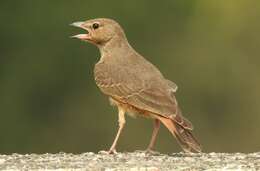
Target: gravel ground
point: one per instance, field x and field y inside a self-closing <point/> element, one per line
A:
<point x="136" y="161"/>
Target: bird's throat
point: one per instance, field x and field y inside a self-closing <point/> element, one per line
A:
<point x="115" y="46"/>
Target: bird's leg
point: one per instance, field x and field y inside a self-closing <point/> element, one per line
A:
<point x="154" y="135"/>
<point x="121" y="121"/>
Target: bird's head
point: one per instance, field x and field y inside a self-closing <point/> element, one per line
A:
<point x="99" y="31"/>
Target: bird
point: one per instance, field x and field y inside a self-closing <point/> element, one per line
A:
<point x="135" y="85"/>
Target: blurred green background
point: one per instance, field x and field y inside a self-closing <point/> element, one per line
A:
<point x="49" y="101"/>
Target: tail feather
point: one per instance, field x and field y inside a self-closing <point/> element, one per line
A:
<point x="184" y="136"/>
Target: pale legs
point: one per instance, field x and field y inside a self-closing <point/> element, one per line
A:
<point x="121" y="122"/>
<point x="154" y="135"/>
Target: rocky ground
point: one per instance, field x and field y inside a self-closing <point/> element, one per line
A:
<point x="136" y="161"/>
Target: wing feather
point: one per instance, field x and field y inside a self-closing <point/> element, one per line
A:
<point x="154" y="94"/>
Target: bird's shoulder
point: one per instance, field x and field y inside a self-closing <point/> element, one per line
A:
<point x="130" y="64"/>
<point x="132" y="70"/>
<point x="110" y="76"/>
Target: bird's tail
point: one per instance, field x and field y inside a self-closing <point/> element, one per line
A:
<point x="184" y="135"/>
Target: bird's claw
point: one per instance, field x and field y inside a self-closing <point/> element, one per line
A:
<point x="111" y="151"/>
<point x="151" y="152"/>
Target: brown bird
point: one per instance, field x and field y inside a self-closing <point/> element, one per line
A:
<point x="135" y="85"/>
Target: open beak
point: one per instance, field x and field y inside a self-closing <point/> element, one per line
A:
<point x="77" y="24"/>
<point x="81" y="36"/>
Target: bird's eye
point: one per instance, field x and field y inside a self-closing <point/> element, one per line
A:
<point x="95" y="26"/>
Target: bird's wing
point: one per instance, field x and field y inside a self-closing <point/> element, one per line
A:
<point x="153" y="95"/>
<point x="150" y="95"/>
<point x="172" y="85"/>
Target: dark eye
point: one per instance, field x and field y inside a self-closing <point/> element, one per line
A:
<point x="95" y="26"/>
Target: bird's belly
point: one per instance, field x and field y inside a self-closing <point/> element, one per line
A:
<point x="131" y="110"/>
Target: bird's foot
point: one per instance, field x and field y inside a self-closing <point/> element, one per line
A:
<point x="151" y="152"/>
<point x="111" y="151"/>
